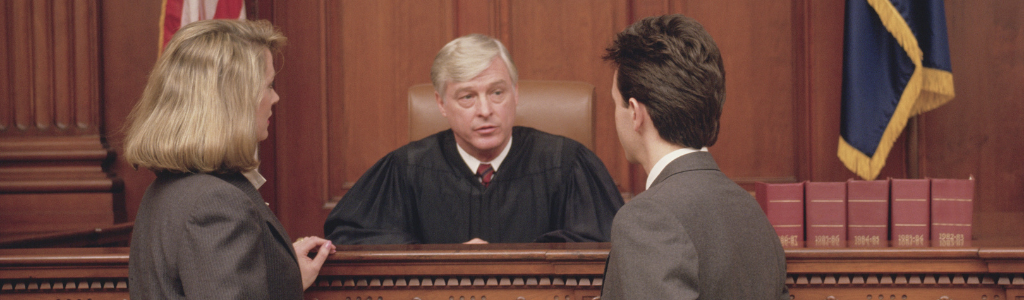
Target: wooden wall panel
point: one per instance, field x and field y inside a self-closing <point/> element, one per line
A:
<point x="354" y="95"/>
<point x="63" y="86"/>
<point x="758" y="118"/>
<point x="565" y="40"/>
<point x="6" y="100"/>
<point x="348" y="63"/>
<point x="51" y="68"/>
<point x="20" y="58"/>
<point x="51" y="151"/>
<point x="764" y="122"/>
<point x="84" y="53"/>
<point x="485" y="17"/>
<point x="42" y="69"/>
<point x="371" y="52"/>
<point x="299" y="118"/>
<point x="783" y="65"/>
<point x="129" y="45"/>
<point x="822" y="62"/>
<point x="979" y="132"/>
<point x="371" y="63"/>
<point x="39" y="213"/>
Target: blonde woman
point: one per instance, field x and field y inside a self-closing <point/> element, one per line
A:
<point x="202" y="230"/>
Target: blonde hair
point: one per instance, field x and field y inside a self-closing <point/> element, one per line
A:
<point x="466" y="57"/>
<point x="198" y="110"/>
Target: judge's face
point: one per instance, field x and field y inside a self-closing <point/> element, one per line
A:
<point x="624" y="122"/>
<point x="268" y="99"/>
<point x="482" y="111"/>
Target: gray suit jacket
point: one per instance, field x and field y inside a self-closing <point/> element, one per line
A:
<point x="694" y="234"/>
<point x="202" y="236"/>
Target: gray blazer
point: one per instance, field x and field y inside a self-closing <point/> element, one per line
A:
<point x="202" y="236"/>
<point x="694" y="234"/>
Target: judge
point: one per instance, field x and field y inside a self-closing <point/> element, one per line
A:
<point x="484" y="180"/>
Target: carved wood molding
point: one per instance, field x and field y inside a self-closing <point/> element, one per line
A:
<point x="906" y="280"/>
<point x="49" y="99"/>
<point x="55" y="164"/>
<point x="67" y="285"/>
<point x="52" y="84"/>
<point x="545" y="271"/>
<point x="475" y="282"/>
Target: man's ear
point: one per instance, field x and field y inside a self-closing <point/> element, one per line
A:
<point x="440" y="103"/>
<point x="515" y="93"/>
<point x="638" y="113"/>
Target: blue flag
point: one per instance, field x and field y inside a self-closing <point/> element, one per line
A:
<point x="895" y="66"/>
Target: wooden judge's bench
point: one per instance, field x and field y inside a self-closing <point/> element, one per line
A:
<point x="990" y="270"/>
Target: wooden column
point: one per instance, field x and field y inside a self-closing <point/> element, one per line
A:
<point x="52" y="155"/>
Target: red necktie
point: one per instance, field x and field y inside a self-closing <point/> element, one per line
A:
<point x="485" y="172"/>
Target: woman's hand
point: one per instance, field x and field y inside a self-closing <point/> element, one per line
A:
<point x="310" y="267"/>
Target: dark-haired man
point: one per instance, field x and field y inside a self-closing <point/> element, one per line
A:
<point x="694" y="233"/>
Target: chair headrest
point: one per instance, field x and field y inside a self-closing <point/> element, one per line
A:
<point x="558" y="107"/>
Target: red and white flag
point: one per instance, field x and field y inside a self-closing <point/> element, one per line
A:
<point x="178" y="13"/>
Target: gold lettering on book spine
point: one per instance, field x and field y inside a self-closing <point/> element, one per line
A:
<point x="867" y="240"/>
<point x="910" y="240"/>
<point x="789" y="240"/>
<point x="951" y="239"/>
<point x="827" y="240"/>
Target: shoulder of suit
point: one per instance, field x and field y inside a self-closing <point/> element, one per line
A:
<point x="646" y="207"/>
<point x="204" y="187"/>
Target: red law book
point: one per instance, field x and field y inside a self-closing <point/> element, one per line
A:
<point x="952" y="207"/>
<point x="783" y="203"/>
<point x="867" y="212"/>
<point x="910" y="211"/>
<point x="825" y="204"/>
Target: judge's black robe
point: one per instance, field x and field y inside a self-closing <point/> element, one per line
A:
<point x="548" y="189"/>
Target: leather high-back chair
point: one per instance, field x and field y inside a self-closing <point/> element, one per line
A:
<point x="558" y="107"/>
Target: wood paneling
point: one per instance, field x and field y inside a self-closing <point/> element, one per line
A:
<point x="979" y="132"/>
<point x="52" y="157"/>
<point x="371" y="63"/>
<point x="6" y="99"/>
<point x="299" y="118"/>
<point x="755" y="40"/>
<point x="51" y="69"/>
<point x="130" y="40"/>
<point x="783" y="64"/>
<point x="348" y="64"/>
<point x="565" y="40"/>
<point x="24" y="214"/>
<point x="345" y="96"/>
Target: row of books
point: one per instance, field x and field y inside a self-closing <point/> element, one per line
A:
<point x="898" y="212"/>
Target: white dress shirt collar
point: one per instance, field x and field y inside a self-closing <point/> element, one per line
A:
<point x="255" y="177"/>
<point x="474" y="163"/>
<point x="665" y="160"/>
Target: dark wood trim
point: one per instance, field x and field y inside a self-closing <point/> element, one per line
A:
<point x="510" y="270"/>
<point x="801" y="88"/>
<point x="109" y="236"/>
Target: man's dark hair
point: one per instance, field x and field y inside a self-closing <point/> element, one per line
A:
<point x="672" y="66"/>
